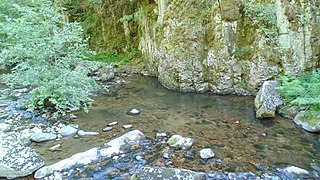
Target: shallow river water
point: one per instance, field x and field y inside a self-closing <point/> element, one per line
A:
<point x="227" y="124"/>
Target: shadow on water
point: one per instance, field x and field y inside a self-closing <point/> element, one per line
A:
<point x="227" y="124"/>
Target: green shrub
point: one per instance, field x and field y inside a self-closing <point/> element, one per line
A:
<point x="46" y="53"/>
<point x="302" y="91"/>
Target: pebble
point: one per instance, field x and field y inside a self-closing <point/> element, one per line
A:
<point x="127" y="126"/>
<point x="56" y="147"/>
<point x="134" y="112"/>
<point x="166" y="156"/>
<point x="189" y="155"/>
<point x="72" y="116"/>
<point x="3" y="105"/>
<point x="107" y="129"/>
<point x="115" y="158"/>
<point x="161" y="135"/>
<point x="139" y="158"/>
<point x="84" y="133"/>
<point x="206" y="153"/>
<point x="113" y="123"/>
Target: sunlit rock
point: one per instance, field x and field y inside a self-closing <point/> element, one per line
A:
<point x="206" y="153"/>
<point x="17" y="160"/>
<point x="93" y="155"/>
<point x="85" y="133"/>
<point x="267" y="100"/>
<point x="308" y="121"/>
<point x="178" y="141"/>
<point x="42" y="137"/>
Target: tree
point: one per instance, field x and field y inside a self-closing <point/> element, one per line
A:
<point x="45" y="53"/>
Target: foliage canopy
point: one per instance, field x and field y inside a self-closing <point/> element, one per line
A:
<point x="45" y="53"/>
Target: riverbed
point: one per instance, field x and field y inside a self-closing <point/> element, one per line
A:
<point x="226" y="124"/>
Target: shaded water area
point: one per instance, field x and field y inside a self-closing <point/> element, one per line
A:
<point x="227" y="124"/>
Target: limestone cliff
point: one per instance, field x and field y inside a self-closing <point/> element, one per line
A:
<point x="232" y="47"/>
<point x="226" y="46"/>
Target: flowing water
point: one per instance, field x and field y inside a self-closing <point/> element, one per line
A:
<point x="227" y="124"/>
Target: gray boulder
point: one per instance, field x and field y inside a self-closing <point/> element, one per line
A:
<point x="17" y="160"/>
<point x="68" y="131"/>
<point x="267" y="100"/>
<point x="153" y="173"/>
<point x="92" y="155"/>
<point x="42" y="137"/>
<point x="307" y="122"/>
<point x="178" y="141"/>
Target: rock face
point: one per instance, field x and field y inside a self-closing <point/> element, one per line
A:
<point x="17" y="160"/>
<point x="178" y="141"/>
<point x="149" y="173"/>
<point x="92" y="155"/>
<point x="231" y="48"/>
<point x="311" y="124"/>
<point x="267" y="100"/>
<point x="222" y="51"/>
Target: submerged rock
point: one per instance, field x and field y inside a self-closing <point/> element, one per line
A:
<point x="84" y="133"/>
<point x="133" y="112"/>
<point x="127" y="126"/>
<point x="267" y="100"/>
<point x="206" y="153"/>
<point x="307" y="122"/>
<point x="42" y="137"/>
<point x="148" y="173"/>
<point x="113" y="123"/>
<point x="178" y="141"/>
<point x="17" y="160"/>
<point x="107" y="129"/>
<point x="68" y="131"/>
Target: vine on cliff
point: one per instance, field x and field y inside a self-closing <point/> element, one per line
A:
<point x="264" y="18"/>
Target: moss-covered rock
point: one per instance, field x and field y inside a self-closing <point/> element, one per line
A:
<point x="308" y="121"/>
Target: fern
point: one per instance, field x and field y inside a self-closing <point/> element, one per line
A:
<point x="302" y="91"/>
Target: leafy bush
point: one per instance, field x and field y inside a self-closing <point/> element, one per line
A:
<point x="302" y="91"/>
<point x="45" y="53"/>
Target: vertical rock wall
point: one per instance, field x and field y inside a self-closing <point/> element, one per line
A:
<point x="195" y="46"/>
